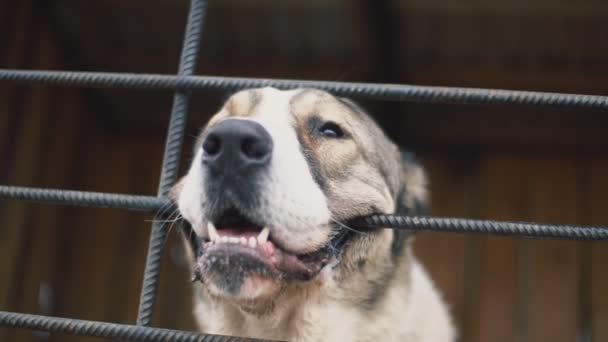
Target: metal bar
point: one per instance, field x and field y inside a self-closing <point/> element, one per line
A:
<point x="503" y="228"/>
<point x="390" y="92"/>
<point x="175" y="135"/>
<point x="165" y="207"/>
<point x="87" y="198"/>
<point x="106" y="330"/>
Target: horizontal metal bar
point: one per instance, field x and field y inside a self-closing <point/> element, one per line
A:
<point x="106" y="330"/>
<point x="394" y="92"/>
<point x="419" y="223"/>
<point x="490" y="227"/>
<point x="86" y="198"/>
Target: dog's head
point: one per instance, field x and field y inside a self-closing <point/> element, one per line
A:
<point x="275" y="178"/>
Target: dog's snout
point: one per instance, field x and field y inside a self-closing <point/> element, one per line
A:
<point x="235" y="144"/>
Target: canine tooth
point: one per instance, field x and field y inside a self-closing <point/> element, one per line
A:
<point x="263" y="236"/>
<point x="253" y="242"/>
<point x="212" y="231"/>
<point x="224" y="239"/>
<point x="243" y="241"/>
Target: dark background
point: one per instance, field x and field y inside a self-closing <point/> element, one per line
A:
<point x="517" y="163"/>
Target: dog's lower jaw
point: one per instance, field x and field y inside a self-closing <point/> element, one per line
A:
<point x="410" y="310"/>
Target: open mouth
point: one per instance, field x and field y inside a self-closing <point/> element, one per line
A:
<point x="235" y="243"/>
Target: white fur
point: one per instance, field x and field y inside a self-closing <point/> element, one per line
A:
<point x="191" y="198"/>
<point x="294" y="202"/>
<point x="293" y="205"/>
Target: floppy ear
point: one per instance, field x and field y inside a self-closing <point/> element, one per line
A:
<point x="412" y="197"/>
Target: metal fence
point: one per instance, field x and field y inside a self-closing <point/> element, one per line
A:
<point x="184" y="83"/>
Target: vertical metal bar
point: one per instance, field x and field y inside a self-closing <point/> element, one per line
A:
<point x="175" y="135"/>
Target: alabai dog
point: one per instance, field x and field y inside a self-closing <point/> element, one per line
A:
<point x="276" y="176"/>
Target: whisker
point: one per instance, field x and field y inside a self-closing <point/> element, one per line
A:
<point x="177" y="218"/>
<point x="345" y="226"/>
<point x="177" y="215"/>
<point x="162" y="210"/>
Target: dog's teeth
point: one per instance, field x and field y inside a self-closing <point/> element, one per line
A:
<point x="253" y="242"/>
<point x="243" y="241"/>
<point x="224" y="239"/>
<point x="234" y="240"/>
<point x="212" y="232"/>
<point x="263" y="236"/>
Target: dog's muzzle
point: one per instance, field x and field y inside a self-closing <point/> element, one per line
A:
<point x="240" y="251"/>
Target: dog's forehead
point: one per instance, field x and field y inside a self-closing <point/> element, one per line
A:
<point x="271" y="103"/>
<point x="278" y="110"/>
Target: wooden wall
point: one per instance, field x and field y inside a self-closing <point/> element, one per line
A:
<point x="88" y="263"/>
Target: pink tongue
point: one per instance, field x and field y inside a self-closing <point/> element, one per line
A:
<point x="274" y="256"/>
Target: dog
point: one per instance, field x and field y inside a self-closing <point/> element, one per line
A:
<point x="275" y="179"/>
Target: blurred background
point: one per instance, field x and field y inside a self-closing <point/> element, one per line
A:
<point x="515" y="163"/>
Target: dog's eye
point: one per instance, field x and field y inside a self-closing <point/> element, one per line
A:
<point x="331" y="130"/>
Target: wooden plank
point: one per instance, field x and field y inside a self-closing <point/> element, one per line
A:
<point x="16" y="43"/>
<point x="503" y="190"/>
<point x="24" y="114"/>
<point x="135" y="233"/>
<point x="444" y="254"/>
<point x="20" y="35"/>
<point x="105" y="250"/>
<point x="598" y="191"/>
<point x="40" y="257"/>
<point x="94" y="235"/>
<point x="555" y="264"/>
<point x="23" y="170"/>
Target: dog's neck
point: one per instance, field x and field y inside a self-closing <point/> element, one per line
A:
<point x="279" y="317"/>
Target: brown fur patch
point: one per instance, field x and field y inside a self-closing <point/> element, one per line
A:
<point x="243" y="103"/>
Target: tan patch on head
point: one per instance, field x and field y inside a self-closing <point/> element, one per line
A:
<point x="348" y="166"/>
<point x="310" y="105"/>
<point x="243" y="103"/>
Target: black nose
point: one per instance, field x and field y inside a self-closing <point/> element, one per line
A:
<point x="236" y="145"/>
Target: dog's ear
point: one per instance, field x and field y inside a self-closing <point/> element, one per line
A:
<point x="412" y="196"/>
